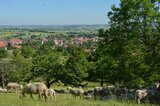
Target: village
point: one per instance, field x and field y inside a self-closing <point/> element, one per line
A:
<point x="56" y="39"/>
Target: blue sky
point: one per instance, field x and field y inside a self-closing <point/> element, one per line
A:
<point x="54" y="12"/>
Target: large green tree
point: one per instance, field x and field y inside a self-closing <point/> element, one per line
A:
<point x="5" y="65"/>
<point x="129" y="51"/>
<point x="48" y="65"/>
<point x="76" y="66"/>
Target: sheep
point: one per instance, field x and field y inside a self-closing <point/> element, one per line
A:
<point x="121" y="93"/>
<point x="154" y="96"/>
<point x="96" y="92"/>
<point x="76" y="92"/>
<point x="154" y="93"/>
<point x="140" y="95"/>
<point x="34" y="88"/>
<point x="14" y="86"/>
<point x="51" y="93"/>
<point x="3" y="90"/>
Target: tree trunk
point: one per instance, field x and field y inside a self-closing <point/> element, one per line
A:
<point x="48" y="84"/>
<point x="102" y="82"/>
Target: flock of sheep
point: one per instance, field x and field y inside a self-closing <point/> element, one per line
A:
<point x="150" y="94"/>
<point x="38" y="88"/>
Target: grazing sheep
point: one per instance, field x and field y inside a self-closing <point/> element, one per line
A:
<point x="14" y="86"/>
<point x="141" y="95"/>
<point x="121" y="93"/>
<point x="35" y="88"/>
<point x="131" y="95"/>
<point x="154" y="96"/>
<point x="76" y="92"/>
<point x="88" y="94"/>
<point x="96" y="92"/>
<point x="90" y="91"/>
<point x="103" y="92"/>
<point x="3" y="90"/>
<point x="51" y="93"/>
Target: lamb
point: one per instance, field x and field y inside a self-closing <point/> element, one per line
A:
<point x="51" y="93"/>
<point x="76" y="92"/>
<point x="35" y="88"/>
<point x="14" y="86"/>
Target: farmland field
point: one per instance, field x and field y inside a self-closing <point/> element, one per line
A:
<point x="12" y="99"/>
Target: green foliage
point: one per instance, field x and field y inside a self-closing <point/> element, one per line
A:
<point x="20" y="72"/>
<point x="128" y="53"/>
<point x="3" y="53"/>
<point x="49" y="66"/>
<point x="27" y="51"/>
<point x="76" y="66"/>
<point x="5" y="65"/>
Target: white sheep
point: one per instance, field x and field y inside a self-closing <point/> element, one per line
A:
<point x="14" y="86"/>
<point x="76" y="92"/>
<point x="51" y="93"/>
<point x="34" y="88"/>
<point x="140" y="94"/>
<point x="3" y="90"/>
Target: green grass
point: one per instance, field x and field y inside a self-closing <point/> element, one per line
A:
<point x="12" y="99"/>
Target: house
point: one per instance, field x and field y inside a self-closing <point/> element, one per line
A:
<point x="58" y="42"/>
<point x="77" y="40"/>
<point x="3" y="44"/>
<point x="15" y="41"/>
<point x="44" y="40"/>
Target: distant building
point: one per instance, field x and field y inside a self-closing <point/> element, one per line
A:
<point x="3" y="44"/>
<point x="58" y="42"/>
<point x="95" y="39"/>
<point x="15" y="41"/>
<point x="44" y="40"/>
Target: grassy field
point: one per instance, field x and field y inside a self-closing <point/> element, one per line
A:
<point x="12" y="99"/>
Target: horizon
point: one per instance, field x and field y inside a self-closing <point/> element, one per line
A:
<point x="53" y="24"/>
<point x="57" y="12"/>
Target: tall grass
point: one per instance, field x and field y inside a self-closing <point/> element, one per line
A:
<point x="62" y="100"/>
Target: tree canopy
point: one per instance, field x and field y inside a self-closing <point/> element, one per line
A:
<point x="129" y="51"/>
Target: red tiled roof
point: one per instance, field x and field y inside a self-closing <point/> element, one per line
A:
<point x="16" y="41"/>
<point x="3" y="43"/>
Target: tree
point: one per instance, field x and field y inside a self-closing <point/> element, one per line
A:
<point x="27" y="51"/>
<point x="76" y="66"/>
<point x="5" y="65"/>
<point x="129" y="51"/>
<point x="49" y="66"/>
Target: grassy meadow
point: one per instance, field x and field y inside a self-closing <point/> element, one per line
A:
<point x="12" y="99"/>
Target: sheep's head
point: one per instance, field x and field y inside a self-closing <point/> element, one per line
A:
<point x="157" y="84"/>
